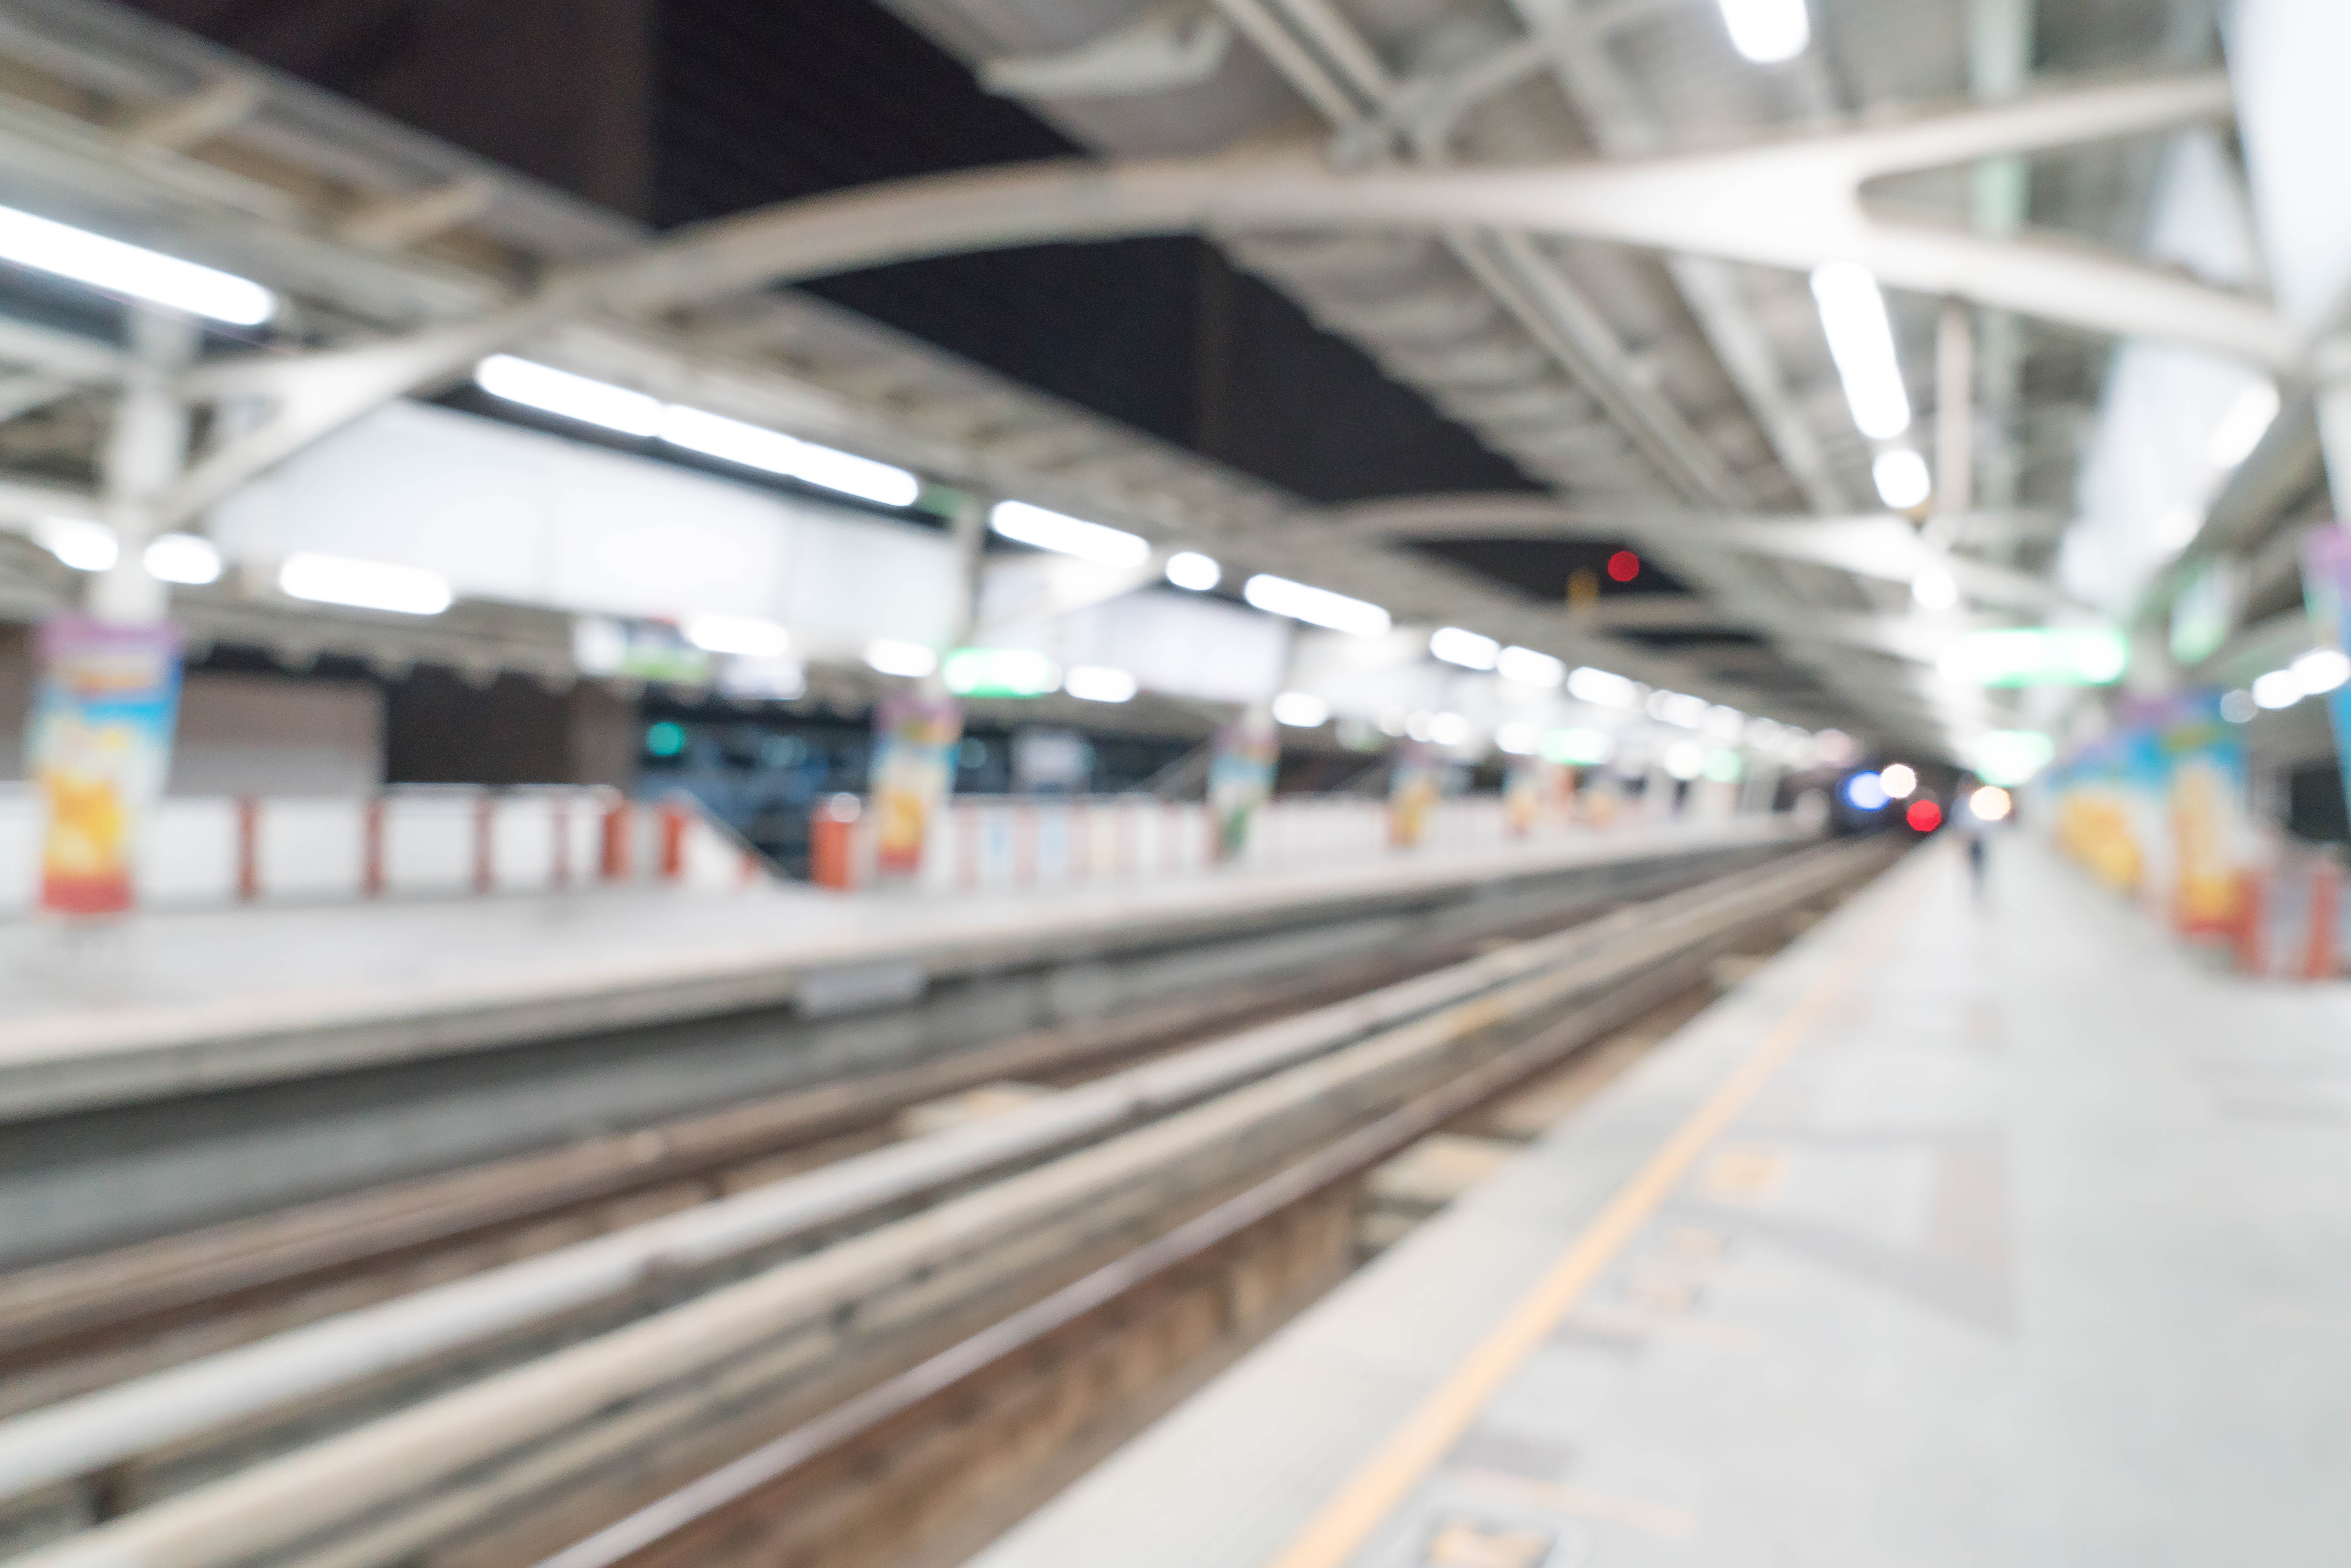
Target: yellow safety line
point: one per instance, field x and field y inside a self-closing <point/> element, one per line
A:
<point x="1413" y="1449"/>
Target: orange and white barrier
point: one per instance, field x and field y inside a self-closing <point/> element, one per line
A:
<point x="2290" y="921"/>
<point x="1003" y="842"/>
<point x="422" y="841"/>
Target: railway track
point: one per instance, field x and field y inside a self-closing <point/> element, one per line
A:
<point x="805" y="1266"/>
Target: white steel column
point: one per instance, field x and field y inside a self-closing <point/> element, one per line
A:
<point x="145" y="452"/>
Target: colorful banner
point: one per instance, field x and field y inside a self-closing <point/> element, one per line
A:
<point x="1241" y="778"/>
<point x="915" y="735"/>
<point x="2326" y="597"/>
<point x="99" y="749"/>
<point x="1522" y="796"/>
<point x="1414" y="788"/>
<point x="2158" y="810"/>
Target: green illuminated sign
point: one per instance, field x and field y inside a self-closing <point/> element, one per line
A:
<point x="2038" y="656"/>
<point x="1000" y="672"/>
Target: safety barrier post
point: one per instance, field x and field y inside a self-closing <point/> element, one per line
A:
<point x="484" y="847"/>
<point x="559" y="823"/>
<point x="673" y="841"/>
<point x="832" y="842"/>
<point x="2325" y="897"/>
<point x="249" y="848"/>
<point x="2248" y="924"/>
<point x="618" y="833"/>
<point x="371" y="872"/>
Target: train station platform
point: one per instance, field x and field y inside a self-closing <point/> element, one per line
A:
<point x="170" y="1004"/>
<point x="1962" y="1233"/>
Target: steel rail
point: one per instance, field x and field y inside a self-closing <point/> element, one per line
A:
<point x="360" y="1472"/>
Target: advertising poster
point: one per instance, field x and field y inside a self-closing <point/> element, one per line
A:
<point x="2326" y="596"/>
<point x="915" y="735"/>
<point x="2202" y="758"/>
<point x="1522" y="796"/>
<point x="2098" y="825"/>
<point x="98" y="748"/>
<point x="1241" y="778"/>
<point x="1414" y="790"/>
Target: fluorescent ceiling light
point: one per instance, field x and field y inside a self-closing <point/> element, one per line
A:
<point x="884" y="483"/>
<point x="1518" y="739"/>
<point x="2321" y="670"/>
<point x="118" y="268"/>
<point x="1599" y="686"/>
<point x="1190" y="569"/>
<point x="1028" y="524"/>
<point x="1448" y="728"/>
<point x="1725" y="767"/>
<point x="893" y="657"/>
<point x="1861" y="338"/>
<point x="1902" y="478"/>
<point x="746" y="635"/>
<point x="1935" y="587"/>
<point x="363" y="584"/>
<point x="181" y="557"/>
<point x="1099" y="683"/>
<point x="1300" y="710"/>
<point x="1316" y="606"/>
<point x="583" y="398"/>
<point x="2241" y="428"/>
<point x="1725" y="723"/>
<point x="755" y="446"/>
<point x="1684" y="759"/>
<point x="1680" y="708"/>
<point x="1768" y="31"/>
<point x="1466" y="649"/>
<point x="2277" y="689"/>
<point x="81" y="544"/>
<point x="1530" y="668"/>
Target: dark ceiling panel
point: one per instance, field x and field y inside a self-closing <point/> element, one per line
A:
<point x="1541" y="568"/>
<point x="681" y="109"/>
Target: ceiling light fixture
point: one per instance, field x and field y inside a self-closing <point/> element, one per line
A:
<point x="2241" y="428"/>
<point x="181" y="557"/>
<point x="1099" y="683"/>
<point x="117" y="267"/>
<point x="893" y="657"/>
<point x="1466" y="649"/>
<point x="1034" y="525"/>
<point x="1191" y="569"/>
<point x="746" y="635"/>
<point x="1861" y="339"/>
<point x="1316" y="606"/>
<point x="559" y="392"/>
<point x="1530" y="668"/>
<point x="1902" y="478"/>
<point x="78" y="542"/>
<point x="1300" y="710"/>
<point x="1768" y="32"/>
<point x="363" y="584"/>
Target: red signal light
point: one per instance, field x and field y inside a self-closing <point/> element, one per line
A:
<point x="1624" y="566"/>
<point x="1924" y="816"/>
